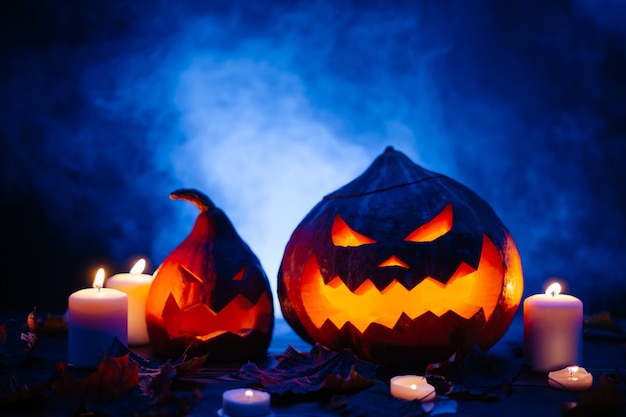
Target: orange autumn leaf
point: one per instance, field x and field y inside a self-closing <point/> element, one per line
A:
<point x="114" y="378"/>
<point x="31" y="320"/>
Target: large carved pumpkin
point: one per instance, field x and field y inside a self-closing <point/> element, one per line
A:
<point x="210" y="295"/>
<point x="401" y="265"/>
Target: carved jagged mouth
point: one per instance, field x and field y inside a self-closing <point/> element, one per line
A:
<point x="201" y="322"/>
<point x="467" y="292"/>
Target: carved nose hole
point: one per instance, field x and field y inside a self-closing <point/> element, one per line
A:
<point x="393" y="261"/>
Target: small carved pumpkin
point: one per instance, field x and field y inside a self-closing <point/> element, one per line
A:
<point x="401" y="265"/>
<point x="210" y="294"/>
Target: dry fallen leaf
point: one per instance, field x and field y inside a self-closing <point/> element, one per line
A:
<point x="321" y="369"/>
<point x="114" y="378"/>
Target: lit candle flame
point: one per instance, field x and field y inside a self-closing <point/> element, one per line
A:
<point x="572" y="370"/>
<point x="413" y="387"/>
<point x="98" y="281"/>
<point x="554" y="289"/>
<point x="139" y="267"/>
<point x="248" y="393"/>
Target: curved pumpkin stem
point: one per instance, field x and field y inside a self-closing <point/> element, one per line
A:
<point x="198" y="199"/>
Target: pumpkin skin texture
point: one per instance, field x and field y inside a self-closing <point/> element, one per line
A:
<point x="210" y="294"/>
<point x="403" y="266"/>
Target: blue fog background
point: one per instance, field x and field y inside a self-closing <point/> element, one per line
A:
<point x="107" y="107"/>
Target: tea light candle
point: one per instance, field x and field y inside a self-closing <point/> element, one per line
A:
<point x="245" y="402"/>
<point x="412" y="387"/>
<point x="552" y="329"/>
<point x="95" y="317"/>
<point x="572" y="378"/>
<point x="136" y="286"/>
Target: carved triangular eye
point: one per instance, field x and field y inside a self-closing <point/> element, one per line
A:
<point x="343" y="235"/>
<point x="239" y="275"/>
<point x="438" y="226"/>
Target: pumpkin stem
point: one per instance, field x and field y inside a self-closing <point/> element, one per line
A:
<point x="200" y="200"/>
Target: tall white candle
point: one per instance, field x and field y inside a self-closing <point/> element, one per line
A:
<point x="552" y="330"/>
<point x="95" y="317"/>
<point x="136" y="286"/>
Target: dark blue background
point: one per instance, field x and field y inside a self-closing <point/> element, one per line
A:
<point x="106" y="107"/>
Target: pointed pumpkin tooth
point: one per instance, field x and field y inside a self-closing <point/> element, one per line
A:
<point x="368" y="304"/>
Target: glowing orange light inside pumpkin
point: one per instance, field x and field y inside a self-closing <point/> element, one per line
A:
<point x="553" y="289"/>
<point x="98" y="281"/>
<point x="466" y="292"/>
<point x="186" y="314"/>
<point x="199" y="321"/>
<point x="343" y="235"/>
<point x="139" y="266"/>
<point x="239" y="275"/>
<point x="438" y="226"/>
<point x="393" y="261"/>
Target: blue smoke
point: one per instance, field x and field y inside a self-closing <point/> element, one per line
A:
<point x="267" y="107"/>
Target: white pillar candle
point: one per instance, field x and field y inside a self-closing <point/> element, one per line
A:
<point x="245" y="402"/>
<point x="412" y="387"/>
<point x="136" y="286"/>
<point x="572" y="378"/>
<point x="552" y="330"/>
<point x="95" y="317"/>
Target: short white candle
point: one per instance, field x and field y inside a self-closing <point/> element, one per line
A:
<point x="552" y="329"/>
<point x="245" y="402"/>
<point x="95" y="317"/>
<point x="136" y="286"/>
<point x="412" y="387"/>
<point x="572" y="378"/>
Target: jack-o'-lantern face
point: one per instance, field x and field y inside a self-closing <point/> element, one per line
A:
<point x="210" y="294"/>
<point x="191" y="313"/>
<point x="393" y="286"/>
<point x="410" y="273"/>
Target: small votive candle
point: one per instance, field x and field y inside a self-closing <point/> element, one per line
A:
<point x="245" y="402"/>
<point x="571" y="378"/>
<point x="412" y="387"/>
